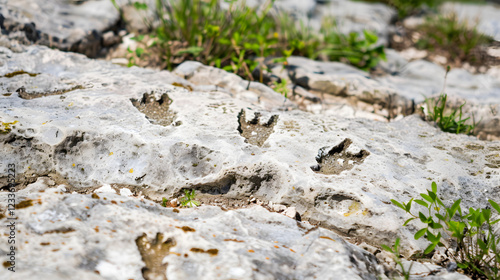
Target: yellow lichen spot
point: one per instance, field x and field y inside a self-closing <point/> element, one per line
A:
<point x="6" y="127"/>
<point x="365" y="212"/>
<point x="251" y="251"/>
<point x="44" y="123"/>
<point x="446" y="159"/>
<point x="111" y="153"/>
<point x="70" y="104"/>
<point x="353" y="208"/>
<point x="131" y="170"/>
<point x="73" y="165"/>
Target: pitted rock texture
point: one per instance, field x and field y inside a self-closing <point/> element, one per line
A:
<point x="351" y="92"/>
<point x="108" y="236"/>
<point x="103" y="140"/>
<point x="215" y="79"/>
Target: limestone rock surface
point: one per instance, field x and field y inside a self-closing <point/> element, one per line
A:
<point x="76" y="26"/>
<point x="94" y="136"/>
<point x="66" y="235"/>
<point x="398" y="94"/>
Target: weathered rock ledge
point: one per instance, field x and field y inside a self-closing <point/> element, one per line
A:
<point x="84" y="124"/>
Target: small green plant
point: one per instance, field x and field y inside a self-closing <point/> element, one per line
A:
<point x="457" y="38"/>
<point x="164" y="202"/>
<point x="239" y="38"/>
<point x="408" y="7"/>
<point x="360" y="52"/>
<point x="476" y="250"/>
<point x="394" y="250"/>
<point x="452" y="122"/>
<point x="281" y="88"/>
<point x="188" y="199"/>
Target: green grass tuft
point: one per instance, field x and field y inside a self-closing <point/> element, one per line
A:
<point x="235" y="39"/>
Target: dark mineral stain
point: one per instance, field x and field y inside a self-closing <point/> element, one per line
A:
<point x="32" y="95"/>
<point x="197" y="250"/>
<point x="211" y="252"/>
<point x="21" y="72"/>
<point x="152" y="255"/>
<point x="183" y="86"/>
<point x="60" y="230"/>
<point x="234" y="240"/>
<point x="24" y="204"/>
<point x="95" y="196"/>
<point x="187" y="229"/>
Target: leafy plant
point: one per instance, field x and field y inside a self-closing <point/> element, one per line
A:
<point x="139" y="6"/>
<point x="452" y="122"/>
<point x="394" y="250"/>
<point x="164" y="202"/>
<point x="476" y="249"/>
<point x="188" y="199"/>
<point x="281" y="87"/>
<point x="360" y="52"/>
<point x="223" y="37"/>
<point x="239" y="38"/>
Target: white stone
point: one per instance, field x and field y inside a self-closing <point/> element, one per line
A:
<point x="126" y="192"/>
<point x="106" y="188"/>
<point x="290" y="212"/>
